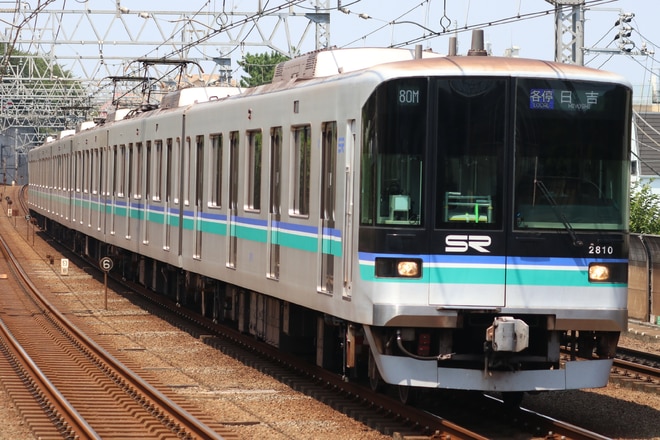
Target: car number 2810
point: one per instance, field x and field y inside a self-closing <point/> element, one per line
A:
<point x="596" y="249"/>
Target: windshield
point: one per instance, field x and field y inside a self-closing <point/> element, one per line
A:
<point x="470" y="152"/>
<point x="393" y="149"/>
<point x="571" y="150"/>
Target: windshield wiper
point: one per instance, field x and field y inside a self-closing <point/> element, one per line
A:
<point x="558" y="212"/>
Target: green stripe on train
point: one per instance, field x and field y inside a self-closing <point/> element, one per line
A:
<point x="245" y="232"/>
<point x="495" y="276"/>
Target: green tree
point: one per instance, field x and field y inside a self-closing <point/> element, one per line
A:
<point x="260" y="68"/>
<point x="644" y="210"/>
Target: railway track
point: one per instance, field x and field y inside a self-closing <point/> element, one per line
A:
<point x="637" y="370"/>
<point x="462" y="416"/>
<point x="65" y="385"/>
<point x="380" y="411"/>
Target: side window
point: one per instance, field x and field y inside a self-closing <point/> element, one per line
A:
<point x="147" y="179"/>
<point x="253" y="174"/>
<point x="199" y="172"/>
<point x="139" y="164"/>
<point x="87" y="169"/>
<point x="78" y="171"/>
<point x="233" y="169"/>
<point x="115" y="171"/>
<point x="328" y="175"/>
<point x="158" y="189"/>
<point x="168" y="171"/>
<point x="129" y="170"/>
<point x="300" y="167"/>
<point x="187" y="164"/>
<point x="96" y="179"/>
<point x="121" y="170"/>
<point x="216" y="170"/>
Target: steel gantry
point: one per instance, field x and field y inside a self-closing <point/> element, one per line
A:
<point x="55" y="60"/>
<point x="569" y="31"/>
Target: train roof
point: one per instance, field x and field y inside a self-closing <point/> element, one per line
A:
<point x="500" y="66"/>
<point x="331" y="62"/>
<point x="191" y="95"/>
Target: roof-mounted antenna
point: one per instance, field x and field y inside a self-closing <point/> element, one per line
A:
<point x="453" y="47"/>
<point x="477" y="44"/>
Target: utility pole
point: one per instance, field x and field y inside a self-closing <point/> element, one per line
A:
<point x="322" y="22"/>
<point x="625" y="45"/>
<point x="569" y="31"/>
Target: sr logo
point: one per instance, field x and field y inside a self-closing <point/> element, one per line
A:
<point x="461" y="243"/>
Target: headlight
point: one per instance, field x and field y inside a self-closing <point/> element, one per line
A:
<point x="608" y="273"/>
<point x="598" y="272"/>
<point x="408" y="268"/>
<point x="398" y="268"/>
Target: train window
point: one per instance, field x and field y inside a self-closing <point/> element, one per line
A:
<point x="86" y="171"/>
<point x="470" y="153"/>
<point x="275" y="169"/>
<point x="120" y="165"/>
<point x="187" y="164"/>
<point x="233" y="170"/>
<point x="106" y="154"/>
<point x="114" y="166"/>
<point x="199" y="172"/>
<point x="216" y="170"/>
<point x="147" y="177"/>
<point x="96" y="183"/>
<point x="253" y="175"/>
<point x="302" y="149"/>
<point x="328" y="177"/>
<point x="394" y="145"/>
<point x="159" y="170"/>
<point x="130" y="171"/>
<point x="168" y="170"/>
<point x="137" y="184"/>
<point x="78" y="171"/>
<point x="571" y="155"/>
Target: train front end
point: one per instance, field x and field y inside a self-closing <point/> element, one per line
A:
<point x="493" y="225"/>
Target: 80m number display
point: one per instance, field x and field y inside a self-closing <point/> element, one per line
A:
<point x="408" y="96"/>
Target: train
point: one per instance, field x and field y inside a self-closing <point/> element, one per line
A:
<point x="409" y="219"/>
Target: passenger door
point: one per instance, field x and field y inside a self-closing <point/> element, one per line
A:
<point x="347" y="146"/>
<point x="233" y="199"/>
<point x="274" y="203"/>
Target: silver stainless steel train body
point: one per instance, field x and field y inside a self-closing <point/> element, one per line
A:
<point x="442" y="222"/>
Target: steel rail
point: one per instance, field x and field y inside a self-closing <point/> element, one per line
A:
<point x="71" y="420"/>
<point x="183" y="417"/>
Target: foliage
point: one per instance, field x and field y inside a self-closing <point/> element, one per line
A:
<point x="644" y="210"/>
<point x="260" y="68"/>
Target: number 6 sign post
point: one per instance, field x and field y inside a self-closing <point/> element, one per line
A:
<point x="106" y="266"/>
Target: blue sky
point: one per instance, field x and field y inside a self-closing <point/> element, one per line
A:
<point x="533" y="34"/>
<point x="395" y="22"/>
<point x="379" y="23"/>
